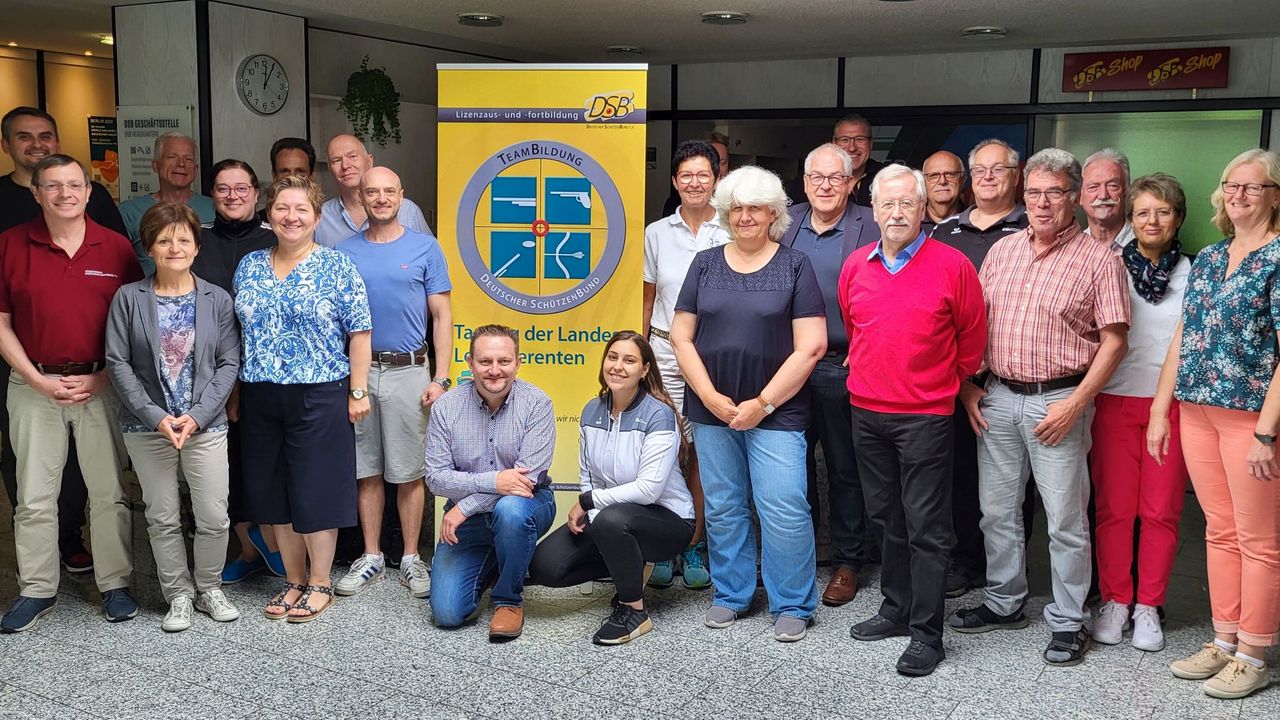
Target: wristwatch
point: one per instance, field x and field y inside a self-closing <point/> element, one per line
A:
<point x="443" y="382"/>
<point x="768" y="406"/>
<point x="1265" y="439"/>
<point x="357" y="393"/>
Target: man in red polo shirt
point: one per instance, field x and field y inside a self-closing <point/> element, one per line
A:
<point x="58" y="274"/>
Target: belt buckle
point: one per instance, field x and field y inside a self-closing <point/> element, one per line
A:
<point x="386" y="358"/>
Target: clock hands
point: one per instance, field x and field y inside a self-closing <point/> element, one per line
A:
<point x="268" y="77"/>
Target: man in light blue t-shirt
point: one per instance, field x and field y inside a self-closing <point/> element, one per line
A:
<point x="345" y="215"/>
<point x="177" y="165"/>
<point x="408" y="280"/>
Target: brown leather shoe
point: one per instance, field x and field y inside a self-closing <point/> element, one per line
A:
<point x="507" y="623"/>
<point x="842" y="588"/>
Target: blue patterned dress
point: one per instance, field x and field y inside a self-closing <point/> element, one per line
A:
<point x="295" y="330"/>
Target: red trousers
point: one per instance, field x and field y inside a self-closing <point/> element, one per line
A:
<point x="1127" y="485"/>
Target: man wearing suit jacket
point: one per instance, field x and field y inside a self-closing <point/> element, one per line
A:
<point x="828" y="228"/>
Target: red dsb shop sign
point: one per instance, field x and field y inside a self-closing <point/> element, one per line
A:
<point x="1172" y="69"/>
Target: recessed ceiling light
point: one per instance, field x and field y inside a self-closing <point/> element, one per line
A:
<point x="13" y="44"/>
<point x="88" y="53"/>
<point x="479" y="19"/>
<point x="984" y="32"/>
<point x="624" y="50"/>
<point x="724" y="17"/>
<point x="107" y="39"/>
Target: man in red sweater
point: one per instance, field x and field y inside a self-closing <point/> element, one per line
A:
<point x="916" y="321"/>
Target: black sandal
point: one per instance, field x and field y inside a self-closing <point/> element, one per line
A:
<point x="279" y="600"/>
<point x="304" y="604"/>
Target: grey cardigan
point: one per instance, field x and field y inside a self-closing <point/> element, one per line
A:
<point x="133" y="359"/>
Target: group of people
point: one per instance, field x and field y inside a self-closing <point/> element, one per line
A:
<point x="950" y="362"/>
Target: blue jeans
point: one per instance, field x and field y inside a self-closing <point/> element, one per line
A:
<point x="500" y="542"/>
<point x="766" y="466"/>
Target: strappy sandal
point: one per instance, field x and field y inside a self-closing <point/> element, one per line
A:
<point x="304" y="605"/>
<point x="278" y="601"/>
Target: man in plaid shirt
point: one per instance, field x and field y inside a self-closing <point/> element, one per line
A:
<point x="1057" y="316"/>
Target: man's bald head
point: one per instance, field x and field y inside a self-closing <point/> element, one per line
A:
<point x="348" y="160"/>
<point x="943" y="175"/>
<point x="381" y="195"/>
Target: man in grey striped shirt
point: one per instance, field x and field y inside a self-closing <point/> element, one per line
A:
<point x="488" y="450"/>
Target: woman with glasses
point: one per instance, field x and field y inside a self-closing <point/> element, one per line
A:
<point x="234" y="233"/>
<point x="669" y="247"/>
<point x="1222" y="368"/>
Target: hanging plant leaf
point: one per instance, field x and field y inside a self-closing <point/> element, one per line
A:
<point x="372" y="105"/>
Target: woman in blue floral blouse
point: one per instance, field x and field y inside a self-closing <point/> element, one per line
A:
<point x="1222" y="366"/>
<point x="301" y="305"/>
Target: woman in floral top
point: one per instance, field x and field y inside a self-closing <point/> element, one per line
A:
<point x="172" y="354"/>
<point x="1222" y="366"/>
<point x="301" y="306"/>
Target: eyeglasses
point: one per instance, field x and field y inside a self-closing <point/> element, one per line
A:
<point x="995" y="170"/>
<point x="1052" y="194"/>
<point x="1250" y="189"/>
<point x="1162" y="215"/>
<point x="887" y="206"/>
<point x="949" y="176"/>
<point x="852" y="139"/>
<point x="54" y="188"/>
<point x="226" y="190"/>
<point x="687" y="178"/>
<point x="818" y="179"/>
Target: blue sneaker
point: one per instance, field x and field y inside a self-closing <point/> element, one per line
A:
<point x="119" y="605"/>
<point x="274" y="562"/>
<point x="663" y="573"/>
<point x="25" y="612"/>
<point x="239" y="569"/>
<point x="693" y="567"/>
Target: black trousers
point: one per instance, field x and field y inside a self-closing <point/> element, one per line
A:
<point x="617" y="543"/>
<point x="831" y="425"/>
<point x="905" y="464"/>
<point x="74" y="495"/>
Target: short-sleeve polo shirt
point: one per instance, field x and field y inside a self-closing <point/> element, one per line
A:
<point x="59" y="304"/>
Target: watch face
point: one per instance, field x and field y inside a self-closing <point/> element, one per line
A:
<point x="262" y="84"/>
<point x="358" y="394"/>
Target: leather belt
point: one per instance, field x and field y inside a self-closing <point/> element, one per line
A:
<point x="417" y="357"/>
<point x="660" y="333"/>
<point x="1038" y="388"/>
<point x="74" y="368"/>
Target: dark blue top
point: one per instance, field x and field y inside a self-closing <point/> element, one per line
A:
<point x="826" y="254"/>
<point x="744" y="333"/>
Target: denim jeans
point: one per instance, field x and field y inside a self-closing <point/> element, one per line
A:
<point x="765" y="466"/>
<point x="500" y="542"/>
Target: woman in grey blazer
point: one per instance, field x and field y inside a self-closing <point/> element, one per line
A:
<point x="173" y="352"/>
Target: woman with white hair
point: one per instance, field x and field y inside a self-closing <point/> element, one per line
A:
<point x="750" y="324"/>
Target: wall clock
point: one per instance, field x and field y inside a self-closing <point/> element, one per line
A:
<point x="262" y="84"/>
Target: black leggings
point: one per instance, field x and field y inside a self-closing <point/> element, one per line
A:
<point x="617" y="543"/>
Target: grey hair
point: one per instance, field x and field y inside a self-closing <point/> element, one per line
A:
<point x="845" y="160"/>
<point x="56" y="161"/>
<point x="166" y="137"/>
<point x="751" y="185"/>
<point x="893" y="172"/>
<point x="1114" y="156"/>
<point x="1012" y="160"/>
<point x="1055" y="160"/>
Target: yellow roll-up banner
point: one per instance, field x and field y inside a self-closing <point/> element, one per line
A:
<point x="542" y="219"/>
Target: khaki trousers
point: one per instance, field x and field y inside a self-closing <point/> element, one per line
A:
<point x="39" y="428"/>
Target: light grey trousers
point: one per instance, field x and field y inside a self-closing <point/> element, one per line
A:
<point x="1007" y="452"/>
<point x="203" y="459"/>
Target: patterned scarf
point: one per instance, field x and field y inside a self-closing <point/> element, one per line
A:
<point x="1151" y="281"/>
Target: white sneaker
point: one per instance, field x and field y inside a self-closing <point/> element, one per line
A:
<point x="1112" y="621"/>
<point x="1147" y="634"/>
<point x="416" y="575"/>
<point x="179" y="616"/>
<point x="216" y="605"/>
<point x="365" y="570"/>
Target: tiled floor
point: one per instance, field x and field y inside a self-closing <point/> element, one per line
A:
<point x="377" y="656"/>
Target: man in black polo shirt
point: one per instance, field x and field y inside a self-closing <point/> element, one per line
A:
<point x="853" y="134"/>
<point x="29" y="135"/>
<point x="993" y="168"/>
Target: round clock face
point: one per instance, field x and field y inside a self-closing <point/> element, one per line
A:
<point x="262" y="84"/>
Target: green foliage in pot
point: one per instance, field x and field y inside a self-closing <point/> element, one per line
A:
<point x="372" y="104"/>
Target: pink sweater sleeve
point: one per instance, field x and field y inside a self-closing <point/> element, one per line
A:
<point x="971" y="320"/>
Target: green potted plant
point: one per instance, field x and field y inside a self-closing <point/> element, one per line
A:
<point x="372" y="104"/>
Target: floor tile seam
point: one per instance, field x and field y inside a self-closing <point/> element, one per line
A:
<point x="46" y="698"/>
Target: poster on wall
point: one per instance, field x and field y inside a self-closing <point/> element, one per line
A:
<point x="138" y="127"/>
<point x="541" y="202"/>
<point x="104" y="161"/>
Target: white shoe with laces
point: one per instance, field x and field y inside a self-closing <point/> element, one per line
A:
<point x="364" y="571"/>
<point x="216" y="605"/>
<point x="179" y="616"/>
<point x="1112" y="620"/>
<point x="416" y="575"/>
<point x="1147" y="634"/>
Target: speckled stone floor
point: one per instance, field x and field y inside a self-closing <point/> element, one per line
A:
<point x="376" y="655"/>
